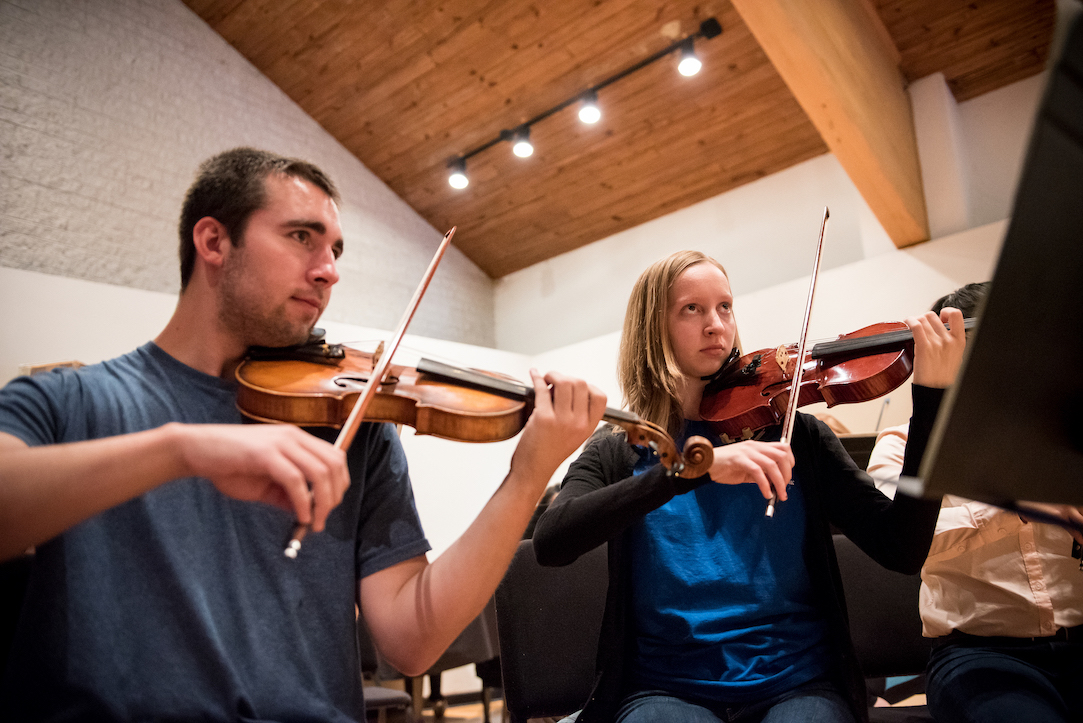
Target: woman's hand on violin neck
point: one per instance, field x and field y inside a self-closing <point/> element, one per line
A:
<point x="938" y="350"/>
<point x="566" y="412"/>
<point x="768" y="465"/>
<point x="277" y="464"/>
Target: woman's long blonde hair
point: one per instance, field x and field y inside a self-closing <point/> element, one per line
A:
<point x="647" y="369"/>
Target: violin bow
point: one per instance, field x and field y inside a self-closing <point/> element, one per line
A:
<point x="357" y="414"/>
<point x="799" y="365"/>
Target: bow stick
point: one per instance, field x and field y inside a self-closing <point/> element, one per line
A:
<point x="357" y="414"/>
<point x="799" y="363"/>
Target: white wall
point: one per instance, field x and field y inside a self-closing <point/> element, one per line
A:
<point x="106" y="109"/>
<point x="997" y="128"/>
<point x="753" y="230"/>
<point x="765" y="232"/>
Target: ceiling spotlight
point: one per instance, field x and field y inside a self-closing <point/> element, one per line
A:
<point x="689" y="64"/>
<point x="458" y="178"/>
<point x="589" y="112"/>
<point x="521" y="142"/>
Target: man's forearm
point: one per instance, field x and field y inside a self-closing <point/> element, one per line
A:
<point x="47" y="490"/>
<point x="414" y="620"/>
<point x="415" y="610"/>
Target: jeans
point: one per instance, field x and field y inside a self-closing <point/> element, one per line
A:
<point x="815" y="702"/>
<point x="989" y="680"/>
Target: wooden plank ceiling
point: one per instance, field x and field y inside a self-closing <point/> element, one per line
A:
<point x="407" y="84"/>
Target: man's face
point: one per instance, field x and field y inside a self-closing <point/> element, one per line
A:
<point x="277" y="279"/>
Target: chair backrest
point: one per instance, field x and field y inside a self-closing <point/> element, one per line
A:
<point x="884" y="619"/>
<point x="475" y="644"/>
<point x="859" y="447"/>
<point x="549" y="620"/>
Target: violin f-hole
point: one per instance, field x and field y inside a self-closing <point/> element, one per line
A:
<point x="345" y="382"/>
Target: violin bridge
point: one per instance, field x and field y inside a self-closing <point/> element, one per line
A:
<point x="746" y="434"/>
<point x="377" y="354"/>
<point x="782" y="357"/>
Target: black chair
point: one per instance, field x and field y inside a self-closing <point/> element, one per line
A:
<point x="885" y="626"/>
<point x="549" y="620"/>
<point x="859" y="447"/>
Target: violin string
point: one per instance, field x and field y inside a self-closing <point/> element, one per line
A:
<point x="888" y="340"/>
<point x="414" y="350"/>
<point x="860" y="343"/>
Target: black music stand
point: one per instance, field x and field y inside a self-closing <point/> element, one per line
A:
<point x="1011" y="428"/>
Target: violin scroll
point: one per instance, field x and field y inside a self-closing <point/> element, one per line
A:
<point x="698" y="456"/>
<point x="693" y="461"/>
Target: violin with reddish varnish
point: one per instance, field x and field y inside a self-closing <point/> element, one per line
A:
<point x="753" y="392"/>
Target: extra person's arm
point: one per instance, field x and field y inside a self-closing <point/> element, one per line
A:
<point x="415" y="609"/>
<point x="963" y="525"/>
<point x="45" y="490"/>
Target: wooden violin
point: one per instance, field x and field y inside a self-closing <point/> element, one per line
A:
<point x="319" y="384"/>
<point x="753" y="392"/>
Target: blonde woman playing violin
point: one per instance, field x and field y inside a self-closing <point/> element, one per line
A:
<point x="716" y="612"/>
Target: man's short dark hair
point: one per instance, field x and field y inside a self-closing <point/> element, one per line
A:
<point x="229" y="187"/>
<point x="966" y="299"/>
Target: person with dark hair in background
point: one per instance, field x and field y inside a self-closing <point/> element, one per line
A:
<point x="159" y="589"/>
<point x="714" y="611"/>
<point x="1002" y="595"/>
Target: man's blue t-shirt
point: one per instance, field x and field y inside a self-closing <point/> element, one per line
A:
<point x="179" y="604"/>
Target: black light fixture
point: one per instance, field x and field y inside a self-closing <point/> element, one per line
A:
<point x="589" y="112"/>
<point x="520" y="142"/>
<point x="690" y="64"/>
<point x="457" y="178"/>
<point x="519" y="137"/>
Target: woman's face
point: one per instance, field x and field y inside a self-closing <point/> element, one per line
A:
<point x="700" y="316"/>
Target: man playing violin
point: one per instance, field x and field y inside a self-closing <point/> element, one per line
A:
<point x="159" y="588"/>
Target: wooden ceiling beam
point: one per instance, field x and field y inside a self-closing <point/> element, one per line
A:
<point x="839" y="63"/>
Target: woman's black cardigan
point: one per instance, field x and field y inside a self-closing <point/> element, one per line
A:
<point x="600" y="500"/>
